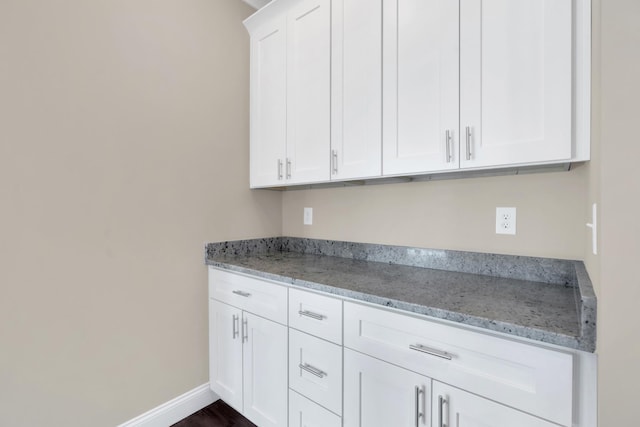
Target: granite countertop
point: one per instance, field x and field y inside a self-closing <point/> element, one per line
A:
<point x="543" y="299"/>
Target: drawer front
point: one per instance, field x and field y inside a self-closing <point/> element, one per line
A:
<point x="256" y="296"/>
<point x="320" y="377"/>
<point x="315" y="314"/>
<point x="527" y="377"/>
<point x="305" y="413"/>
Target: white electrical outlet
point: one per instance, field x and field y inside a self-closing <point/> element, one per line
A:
<point x="505" y="220"/>
<point x="308" y="216"/>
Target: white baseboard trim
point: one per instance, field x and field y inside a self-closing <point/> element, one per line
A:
<point x="176" y="409"/>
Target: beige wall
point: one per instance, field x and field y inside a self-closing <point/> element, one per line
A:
<point x="123" y="149"/>
<point x="619" y="281"/>
<point x="451" y="214"/>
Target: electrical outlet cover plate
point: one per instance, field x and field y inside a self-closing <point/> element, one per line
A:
<point x="308" y="216"/>
<point x="505" y="220"/>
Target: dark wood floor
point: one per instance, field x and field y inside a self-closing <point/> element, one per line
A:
<point x="218" y="414"/>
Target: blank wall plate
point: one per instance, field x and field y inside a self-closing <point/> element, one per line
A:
<point x="308" y="216"/>
<point x="505" y="220"/>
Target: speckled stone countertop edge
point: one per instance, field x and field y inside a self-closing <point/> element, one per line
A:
<point x="577" y="343"/>
<point x="536" y="269"/>
<point x="587" y="307"/>
<point x="543" y="270"/>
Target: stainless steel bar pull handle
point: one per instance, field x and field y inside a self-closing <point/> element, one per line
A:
<point x="234" y="327"/>
<point x="441" y="402"/>
<point x="311" y="314"/>
<point x="288" y="168"/>
<point x="312" y="370"/>
<point x="245" y="330"/>
<point x="432" y="351"/>
<point x="242" y="293"/>
<point x="448" y="145"/>
<point x="334" y="161"/>
<point x="279" y="169"/>
<point x="468" y="136"/>
<point x="418" y="413"/>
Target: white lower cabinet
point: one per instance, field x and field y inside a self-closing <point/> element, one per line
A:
<point x="458" y="408"/>
<point x="264" y="361"/>
<point x="248" y="363"/>
<point x="276" y="356"/>
<point x="532" y="379"/>
<point x="225" y="352"/>
<point x="379" y="394"/>
<point x="305" y="413"/>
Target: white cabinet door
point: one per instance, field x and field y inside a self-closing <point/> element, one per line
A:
<point x="420" y="86"/>
<point x="225" y="353"/>
<point x="515" y="81"/>
<point x="268" y="103"/>
<point x="308" y="91"/>
<point x="356" y="89"/>
<point x="378" y="394"/>
<point x="455" y="407"/>
<point x="305" y="413"/>
<point x="265" y="371"/>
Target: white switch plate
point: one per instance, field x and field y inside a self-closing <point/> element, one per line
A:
<point x="308" y="216"/>
<point x="505" y="220"/>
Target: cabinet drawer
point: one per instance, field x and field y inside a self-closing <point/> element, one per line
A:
<point x="315" y="314"/>
<point x="315" y="369"/>
<point x="527" y="377"/>
<point x="305" y="413"/>
<point x="256" y="296"/>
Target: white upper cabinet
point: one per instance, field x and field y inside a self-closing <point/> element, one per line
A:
<point x="290" y="93"/>
<point x="420" y="86"/>
<point x="515" y="82"/>
<point x="308" y="91"/>
<point x="356" y="90"/>
<point x="268" y="103"/>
